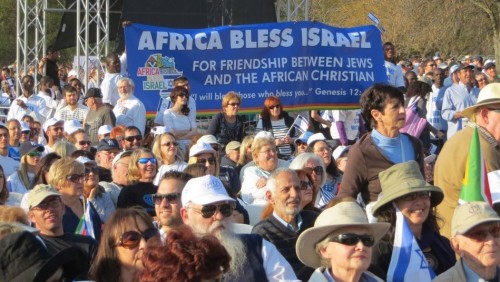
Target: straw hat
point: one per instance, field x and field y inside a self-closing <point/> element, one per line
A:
<point x="341" y="215"/>
<point x="402" y="179"/>
<point x="489" y="95"/>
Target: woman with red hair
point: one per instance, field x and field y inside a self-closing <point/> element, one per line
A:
<point x="277" y="121"/>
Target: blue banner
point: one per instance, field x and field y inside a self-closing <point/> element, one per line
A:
<point x="309" y="65"/>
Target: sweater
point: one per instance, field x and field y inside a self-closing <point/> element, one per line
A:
<point x="284" y="239"/>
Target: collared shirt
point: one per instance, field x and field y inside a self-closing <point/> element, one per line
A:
<point x="471" y="276"/>
<point x="130" y="111"/>
<point x="456" y="98"/>
<point x="298" y="218"/>
<point x="36" y="108"/>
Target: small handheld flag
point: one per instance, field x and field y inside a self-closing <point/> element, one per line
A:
<point x="301" y="124"/>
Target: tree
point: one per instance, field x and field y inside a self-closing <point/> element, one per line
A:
<point x="492" y="10"/>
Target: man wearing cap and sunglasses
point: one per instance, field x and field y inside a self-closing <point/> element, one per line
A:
<point x="207" y="209"/>
<point x="107" y="149"/>
<point x="450" y="166"/>
<point x="46" y="211"/>
<point x="476" y="240"/>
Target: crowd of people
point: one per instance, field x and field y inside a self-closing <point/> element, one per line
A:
<point x="90" y="190"/>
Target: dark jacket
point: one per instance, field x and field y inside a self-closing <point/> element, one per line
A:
<point x="284" y="239"/>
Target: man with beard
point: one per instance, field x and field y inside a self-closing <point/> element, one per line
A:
<point x="129" y="110"/>
<point x="73" y="110"/>
<point x="132" y="138"/>
<point x="46" y="211"/>
<point x="284" y="225"/>
<point x="207" y="209"/>
<point x="168" y="201"/>
<point x="54" y="130"/>
<point x="28" y="103"/>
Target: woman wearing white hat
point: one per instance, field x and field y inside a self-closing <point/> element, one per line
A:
<point x="340" y="244"/>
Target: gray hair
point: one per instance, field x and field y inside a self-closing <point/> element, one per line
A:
<point x="130" y="81"/>
<point x="300" y="162"/>
<point x="272" y="181"/>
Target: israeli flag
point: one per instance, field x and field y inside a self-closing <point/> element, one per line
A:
<point x="408" y="262"/>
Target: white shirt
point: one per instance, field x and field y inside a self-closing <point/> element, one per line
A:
<point x="167" y="104"/>
<point x="250" y="194"/>
<point x="51" y="104"/>
<point x="177" y="166"/>
<point x="351" y="123"/>
<point x="276" y="266"/>
<point x="36" y="108"/>
<point x="131" y="111"/>
<point x="16" y="185"/>
<point x="109" y="88"/>
<point x="394" y="74"/>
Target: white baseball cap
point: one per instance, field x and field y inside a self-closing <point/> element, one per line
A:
<point x="204" y="190"/>
<point x="200" y="148"/>
<point x="71" y="126"/>
<point x="315" y="137"/>
<point x="50" y="122"/>
<point x="104" y="129"/>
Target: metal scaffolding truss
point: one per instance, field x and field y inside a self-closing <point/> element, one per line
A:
<point x="93" y="14"/>
<point x="292" y="10"/>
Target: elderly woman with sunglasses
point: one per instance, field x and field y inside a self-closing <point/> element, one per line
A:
<point x="80" y="216"/>
<point x="313" y="165"/>
<point x="228" y="126"/>
<point x="177" y="119"/>
<point x="340" y="244"/>
<point x="94" y="192"/>
<point x="141" y="173"/>
<point x="280" y="124"/>
<point x="22" y="180"/>
<point x="123" y="242"/>
<point x="331" y="175"/>
<point x="405" y="192"/>
<point x="165" y="148"/>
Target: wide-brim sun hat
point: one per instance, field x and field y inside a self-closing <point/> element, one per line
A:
<point x="403" y="179"/>
<point x="489" y="95"/>
<point x="344" y="214"/>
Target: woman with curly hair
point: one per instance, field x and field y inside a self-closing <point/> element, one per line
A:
<point x="123" y="243"/>
<point x="184" y="257"/>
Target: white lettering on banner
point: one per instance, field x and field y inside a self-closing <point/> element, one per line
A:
<point x="264" y="39"/>
<point x="325" y="38"/>
<point x="244" y="64"/>
<point x="175" y="41"/>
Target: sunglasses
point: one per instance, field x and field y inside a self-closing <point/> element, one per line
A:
<point x="304" y="185"/>
<point x="208" y="211"/>
<point x="210" y="160"/>
<point x="132" y="239"/>
<point x="171" y="197"/>
<point x="482" y="235"/>
<point x="316" y="169"/>
<point x="414" y="196"/>
<point x="75" y="178"/>
<point x="350" y="239"/>
<point x="146" y="160"/>
<point x="26" y="132"/>
<point x="182" y="95"/>
<point x="274" y="106"/>
<point x="234" y="104"/>
<point x="93" y="170"/>
<point x="169" y="144"/>
<point x="132" y="138"/>
<point x="84" y="142"/>
<point x="35" y="153"/>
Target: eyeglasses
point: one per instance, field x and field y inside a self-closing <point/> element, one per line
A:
<point x="132" y="138"/>
<point x="207" y="211"/>
<point x="89" y="170"/>
<point x="183" y="95"/>
<point x="413" y="196"/>
<point x="317" y="169"/>
<point x="234" y="104"/>
<point x="132" y="239"/>
<point x="274" y="106"/>
<point x="171" y="197"/>
<point x="35" y="153"/>
<point x="146" y="160"/>
<point x="75" y="178"/>
<point x="45" y="205"/>
<point x="268" y="151"/>
<point x="169" y="144"/>
<point x="350" y="239"/>
<point x="210" y="160"/>
<point x="300" y="143"/>
<point x="482" y="235"/>
<point x="84" y="142"/>
<point x="304" y="185"/>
